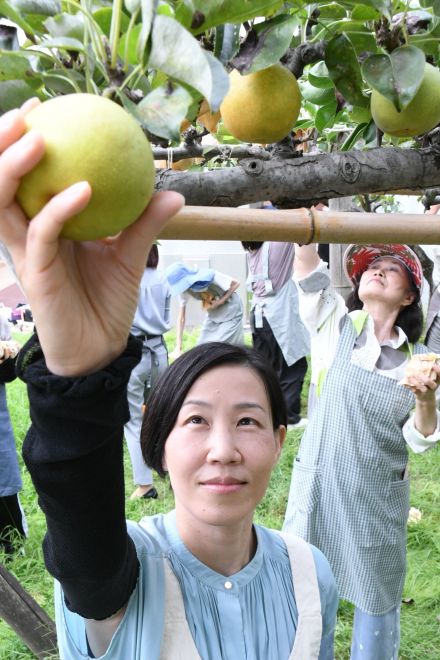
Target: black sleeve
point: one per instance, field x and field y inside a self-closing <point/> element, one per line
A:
<point x="74" y="453"/>
<point x="7" y="370"/>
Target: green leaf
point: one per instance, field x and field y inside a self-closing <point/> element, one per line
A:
<point x="147" y="11"/>
<point x="435" y="4"/>
<point x="363" y="13"/>
<point x="227" y="41"/>
<point x="40" y="7"/>
<point x="9" y="12"/>
<point x="127" y="49"/>
<point x="63" y="43"/>
<point x="14" y="66"/>
<point x="66" y="81"/>
<point x="200" y="15"/>
<point x="363" y="42"/>
<point x="163" y="110"/>
<point x="325" y="116"/>
<point x="382" y="6"/>
<point x="66" y="25"/>
<point x="370" y="132"/>
<point x="344" y="69"/>
<point x="103" y="17"/>
<point x="331" y="10"/>
<point x="317" y="95"/>
<point x="177" y="53"/>
<point x="318" y="75"/>
<point x="397" y="76"/>
<point x="13" y="93"/>
<point x="354" y="136"/>
<point x="273" y="39"/>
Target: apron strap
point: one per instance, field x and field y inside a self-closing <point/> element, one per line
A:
<point x="177" y="641"/>
<point x="308" y="600"/>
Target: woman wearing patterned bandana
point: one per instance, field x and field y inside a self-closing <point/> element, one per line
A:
<point x="350" y="489"/>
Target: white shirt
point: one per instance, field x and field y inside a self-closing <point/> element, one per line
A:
<point x="321" y="310"/>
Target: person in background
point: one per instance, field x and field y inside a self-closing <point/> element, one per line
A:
<point x="151" y="321"/>
<point x="277" y="330"/>
<point x="349" y="493"/>
<point x="217" y="293"/>
<point x="203" y="581"/>
<point x="432" y="327"/>
<point x="12" y="518"/>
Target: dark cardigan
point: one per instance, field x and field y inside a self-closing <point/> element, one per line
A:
<point x="74" y="453"/>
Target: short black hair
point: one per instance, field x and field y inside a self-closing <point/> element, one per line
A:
<point x="249" y="246"/>
<point x="153" y="257"/>
<point x="168" y="395"/>
<point x="410" y="318"/>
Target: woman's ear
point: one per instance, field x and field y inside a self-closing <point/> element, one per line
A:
<point x="409" y="299"/>
<point x="280" y="435"/>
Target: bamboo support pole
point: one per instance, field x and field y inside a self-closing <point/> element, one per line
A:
<point x="301" y="226"/>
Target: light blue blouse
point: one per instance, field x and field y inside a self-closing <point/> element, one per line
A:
<point x="254" y="619"/>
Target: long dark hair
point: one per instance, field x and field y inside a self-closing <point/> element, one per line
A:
<point x="410" y="318"/>
<point x="168" y="395"/>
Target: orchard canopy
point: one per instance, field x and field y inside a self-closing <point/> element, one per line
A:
<point x="171" y="63"/>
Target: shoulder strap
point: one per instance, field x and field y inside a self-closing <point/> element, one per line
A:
<point x="177" y="642"/>
<point x="308" y="599"/>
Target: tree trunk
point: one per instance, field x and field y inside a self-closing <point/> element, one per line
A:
<point x="306" y="180"/>
<point x="23" y="614"/>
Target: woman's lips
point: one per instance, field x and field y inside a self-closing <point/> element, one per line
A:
<point x="223" y="485"/>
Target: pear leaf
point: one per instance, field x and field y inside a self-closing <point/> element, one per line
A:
<point x="147" y="10"/>
<point x="8" y="11"/>
<point x="434" y="4"/>
<point x="163" y="110"/>
<point x="177" y="53"/>
<point x="40" y="7"/>
<point x="14" y="66"/>
<point x="384" y="7"/>
<point x="397" y="76"/>
<point x="13" y="93"/>
<point x="344" y="69"/>
<point x="265" y="44"/>
<point x="66" y="25"/>
<point x="200" y="15"/>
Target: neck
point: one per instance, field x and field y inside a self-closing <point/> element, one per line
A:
<point x="225" y="549"/>
<point x="384" y="320"/>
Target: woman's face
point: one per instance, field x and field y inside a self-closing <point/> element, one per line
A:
<point x="222" y="449"/>
<point x="386" y="279"/>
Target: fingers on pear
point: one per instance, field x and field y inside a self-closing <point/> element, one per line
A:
<point x="16" y="160"/>
<point x="46" y="227"/>
<point x="137" y="238"/>
<point x="29" y="105"/>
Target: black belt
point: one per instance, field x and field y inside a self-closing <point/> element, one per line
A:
<point x="147" y="336"/>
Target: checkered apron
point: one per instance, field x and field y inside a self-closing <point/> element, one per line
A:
<point x="348" y="495"/>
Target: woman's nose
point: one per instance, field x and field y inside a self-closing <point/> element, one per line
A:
<point x="223" y="447"/>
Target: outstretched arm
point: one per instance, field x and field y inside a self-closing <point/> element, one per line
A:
<point x="180" y="326"/>
<point x="83" y="296"/>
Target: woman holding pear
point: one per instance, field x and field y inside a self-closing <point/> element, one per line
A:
<point x="201" y="581"/>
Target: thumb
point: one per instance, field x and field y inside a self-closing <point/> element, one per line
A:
<point x="136" y="240"/>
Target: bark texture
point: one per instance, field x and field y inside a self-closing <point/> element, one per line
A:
<point x="296" y="182"/>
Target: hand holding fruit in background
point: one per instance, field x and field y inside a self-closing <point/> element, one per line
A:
<point x="83" y="295"/>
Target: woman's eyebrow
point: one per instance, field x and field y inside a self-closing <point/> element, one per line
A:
<point x="240" y="406"/>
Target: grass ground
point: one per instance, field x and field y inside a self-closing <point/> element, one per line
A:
<point x="420" y="614"/>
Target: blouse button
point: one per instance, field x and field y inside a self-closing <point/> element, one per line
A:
<point x="228" y="585"/>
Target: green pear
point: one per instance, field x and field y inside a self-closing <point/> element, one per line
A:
<point x="262" y="106"/>
<point x="90" y="138"/>
<point x="419" y="116"/>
